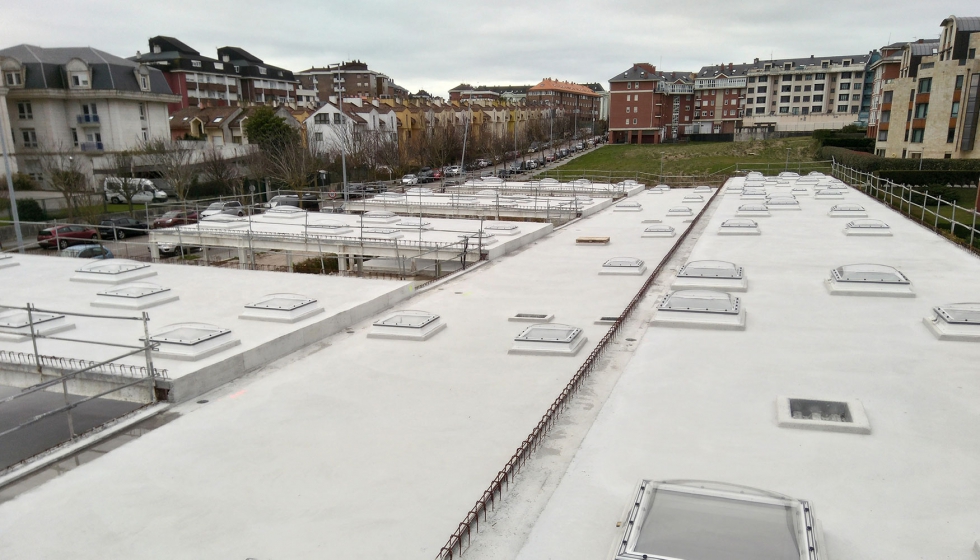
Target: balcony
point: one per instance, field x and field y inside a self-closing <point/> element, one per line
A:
<point x="91" y="146"/>
<point x="87" y="119"/>
<point x="674" y="88"/>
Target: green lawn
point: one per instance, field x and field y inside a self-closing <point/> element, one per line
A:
<point x="694" y="158"/>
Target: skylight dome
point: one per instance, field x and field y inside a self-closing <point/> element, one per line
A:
<point x="680" y="211"/>
<point x="955" y="321"/>
<point x="831" y="416"/>
<point x="416" y="191"/>
<point x="281" y="308"/>
<point x="134" y="295"/>
<point x="702" y="189"/>
<point x="389" y="197"/>
<point x="222" y="221"/>
<point x="739" y="226"/>
<point x="628" y="207"/>
<point x="789" y="175"/>
<point x="848" y="211"/>
<point x="381" y="217"/>
<point x="829" y="194"/>
<point x="487" y="192"/>
<point x="753" y="194"/>
<point x="549" y="182"/>
<point x="757" y="210"/>
<point x="504" y="229"/>
<point x="720" y="275"/>
<point x="692" y="198"/>
<point x="7" y="261"/>
<point x="623" y="266"/>
<point x="867" y="227"/>
<point x="869" y="280"/>
<point x="407" y="325"/>
<point x="662" y="187"/>
<point x="112" y="271"/>
<point x="382" y="233"/>
<point x="581" y="183"/>
<point x="786" y="202"/>
<point x="284" y="212"/>
<point x="549" y="339"/>
<point x="659" y="231"/>
<point x="700" y="309"/>
<point x="800" y="191"/>
<point x="329" y="227"/>
<point x="15" y="324"/>
<point x="716" y="521"/>
<point x="191" y="341"/>
<point x="413" y="223"/>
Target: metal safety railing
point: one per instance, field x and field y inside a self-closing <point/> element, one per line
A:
<point x="462" y="535"/>
<point x="929" y="210"/>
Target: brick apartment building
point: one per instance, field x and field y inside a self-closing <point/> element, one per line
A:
<point x="262" y="84"/>
<point x="353" y="79"/>
<point x="510" y="94"/>
<point x="647" y="106"/>
<point x="566" y="98"/>
<point x="197" y="79"/>
<point x="935" y="86"/>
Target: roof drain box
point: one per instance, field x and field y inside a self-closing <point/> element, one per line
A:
<point x="868" y="280"/>
<point x="739" y="226"/>
<point x="134" y="295"/>
<point x="847" y="211"/>
<point x="717" y="521"/>
<point x="191" y="341"/>
<point x="628" y="266"/>
<point x="678" y="211"/>
<point x="7" y="261"/>
<point x="955" y="321"/>
<point x="659" y="231"/>
<point x="711" y="275"/>
<point x="868" y="228"/>
<point x="531" y="317"/>
<point x="112" y="271"/>
<point x="755" y="210"/>
<point x="700" y="309"/>
<point x="830" y="416"/>
<point x="407" y="325"/>
<point x="281" y="308"/>
<point x="549" y="339"/>
<point x="15" y="325"/>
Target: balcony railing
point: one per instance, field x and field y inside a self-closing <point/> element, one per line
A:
<point x="674" y="88"/>
<point x="87" y="119"/>
<point x="91" y="146"/>
<point x="720" y="83"/>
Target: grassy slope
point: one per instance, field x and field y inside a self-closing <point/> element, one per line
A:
<point x="692" y="158"/>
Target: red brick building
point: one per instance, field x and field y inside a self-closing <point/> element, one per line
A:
<point x="647" y="106"/>
<point x="566" y="98"/>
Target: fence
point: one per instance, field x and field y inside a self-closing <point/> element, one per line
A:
<point x="918" y="205"/>
<point x="505" y="476"/>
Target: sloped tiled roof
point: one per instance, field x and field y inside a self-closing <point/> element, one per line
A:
<point x="549" y="84"/>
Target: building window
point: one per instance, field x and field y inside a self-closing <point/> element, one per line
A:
<point x="784" y="99"/>
<point x="842" y="108"/>
<point x="951" y="136"/>
<point x="886" y="116"/>
<point x="634" y="121"/>
<point x="786" y="88"/>
<point x="925" y="85"/>
<point x="74" y="137"/>
<point x="959" y="82"/>
<point x="79" y="79"/>
<point x="820" y="76"/>
<point x="796" y="99"/>
<point x="144" y="82"/>
<point x="917" y="134"/>
<point x="322" y="118"/>
<point x="318" y="137"/>
<point x="196" y="63"/>
<point x="806" y="98"/>
<point x="886" y="97"/>
<point x="146" y="135"/>
<point x="629" y="85"/>
<point x="13" y="78"/>
<point x="784" y="110"/>
<point x="921" y="110"/>
<point x="636" y="109"/>
<point x="844" y="87"/>
<point x="761" y="89"/>
<point x="760" y="99"/>
<point x="29" y="137"/>
<point x="797" y="88"/>
<point x="817" y="87"/>
<point x="262" y="71"/>
<point x="972" y="53"/>
<point x="816" y="109"/>
<point x="142" y="111"/>
<point x="760" y="110"/>
<point x="336" y="118"/>
<point x="24" y="111"/>
<point x="627" y="110"/>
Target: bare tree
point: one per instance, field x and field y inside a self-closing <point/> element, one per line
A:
<point x="221" y="171"/>
<point x="62" y="170"/>
<point x="124" y="182"/>
<point x="172" y="161"/>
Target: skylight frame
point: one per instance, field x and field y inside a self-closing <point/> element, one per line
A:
<point x="532" y="340"/>
<point x="420" y="326"/>
<point x="944" y="324"/>
<point x="150" y="295"/>
<point x="854" y="421"/>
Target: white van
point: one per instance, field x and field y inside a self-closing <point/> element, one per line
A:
<point x="145" y="191"/>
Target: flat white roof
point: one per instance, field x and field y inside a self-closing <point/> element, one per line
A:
<point x="312" y="455"/>
<point x="701" y="404"/>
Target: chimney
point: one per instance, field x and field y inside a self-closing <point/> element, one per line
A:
<point x="755" y="61"/>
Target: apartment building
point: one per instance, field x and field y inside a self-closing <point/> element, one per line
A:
<point x="335" y="126"/>
<point x="466" y="92"/>
<point x="647" y="106"/>
<point x="211" y="125"/>
<point x="345" y="79"/>
<point x="936" y="90"/>
<point x="197" y="79"/>
<point x="566" y="98"/>
<point x="883" y="71"/>
<point x="262" y="84"/>
<point x="78" y="99"/>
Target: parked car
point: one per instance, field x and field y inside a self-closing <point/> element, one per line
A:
<point x="230" y="207"/>
<point x="87" y="251"/>
<point x="65" y="236"/>
<point x="143" y="191"/>
<point x="483" y="163"/>
<point x="170" y="249"/>
<point x="549" y="158"/>
<point x="426" y="176"/>
<point x="307" y="202"/>
<point x="410" y="179"/>
<point x="453" y="171"/>
<point x="175" y="218"/>
<point x="121" y="228"/>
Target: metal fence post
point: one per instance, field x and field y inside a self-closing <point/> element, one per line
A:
<point x="37" y="357"/>
<point x="149" y="357"/>
<point x="973" y="228"/>
<point x="939" y="201"/>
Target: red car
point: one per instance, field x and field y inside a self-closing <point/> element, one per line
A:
<point x="175" y="218"/>
<point x="63" y="236"/>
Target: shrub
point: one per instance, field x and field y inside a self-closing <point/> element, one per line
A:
<point x="314" y="265"/>
<point x="930" y="178"/>
<point x="28" y="210"/>
<point x="22" y="182"/>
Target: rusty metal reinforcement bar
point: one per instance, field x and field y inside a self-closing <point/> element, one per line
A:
<point x="505" y="476"/>
<point x="72" y="364"/>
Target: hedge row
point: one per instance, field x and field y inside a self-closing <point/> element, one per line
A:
<point x="931" y="178"/>
<point x="868" y="162"/>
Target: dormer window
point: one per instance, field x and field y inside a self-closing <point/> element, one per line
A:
<point x="13" y="79"/>
<point x="79" y="79"/>
<point x="262" y="70"/>
<point x="219" y="66"/>
<point x="156" y="49"/>
<point x="196" y="63"/>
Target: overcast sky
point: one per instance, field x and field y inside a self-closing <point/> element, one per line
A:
<point x="435" y="45"/>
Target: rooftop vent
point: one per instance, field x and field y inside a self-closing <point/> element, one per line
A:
<point x="739" y="226"/>
<point x="702" y="189"/>
<point x="381" y="217"/>
<point x="955" y="321"/>
<point x="717" y="521"/>
<point x="15" y="325"/>
<point x="606" y="320"/>
<point x="628" y="207"/>
<point x="867" y="227"/>
<point x="505" y="230"/>
<point x="753" y="210"/>
<point x="407" y="325"/>
<point x="548" y="339"/>
<point x="191" y="341"/>
<point x="659" y="231"/>
<point x="417" y="191"/>
<point x="531" y="317"/>
<point x="782" y="203"/>
<point x="592" y="241"/>
<point x="680" y="211"/>
<point x="700" y="309"/>
<point x="281" y="308"/>
<point x="134" y="295"/>
<point x="7" y="261"/>
<point x="112" y="271"/>
<point x="868" y="280"/>
<point x="711" y="275"/>
<point x="222" y="221"/>
<point x="692" y="198"/>
<point x="831" y="416"/>
<point x="623" y="266"/>
<point x="848" y="211"/>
